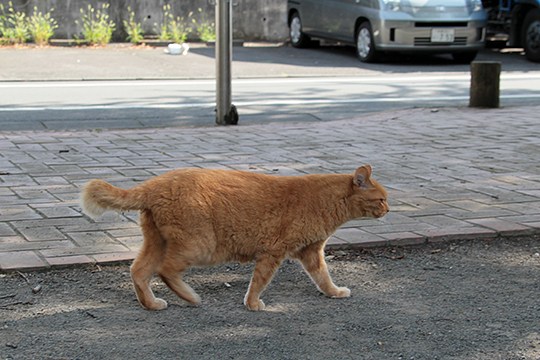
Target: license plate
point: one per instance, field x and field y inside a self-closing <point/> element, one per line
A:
<point x="442" y="35"/>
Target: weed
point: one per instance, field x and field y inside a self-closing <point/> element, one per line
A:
<point x="206" y="29"/>
<point x="14" y="26"/>
<point x="3" y="24"/>
<point x="172" y="28"/>
<point x="97" y="29"/>
<point x="41" y="27"/>
<point x="133" y="28"/>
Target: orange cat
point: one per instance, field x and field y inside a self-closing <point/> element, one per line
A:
<point x="192" y="217"/>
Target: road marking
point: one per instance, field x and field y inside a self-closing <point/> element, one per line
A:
<point x="258" y="81"/>
<point x="281" y="102"/>
<point x="386" y="79"/>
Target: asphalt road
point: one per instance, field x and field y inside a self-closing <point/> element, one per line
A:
<point x="156" y="102"/>
<point x="271" y="84"/>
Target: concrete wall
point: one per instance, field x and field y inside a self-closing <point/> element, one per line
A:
<point x="252" y="19"/>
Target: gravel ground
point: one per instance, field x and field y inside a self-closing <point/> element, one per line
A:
<point x="465" y="300"/>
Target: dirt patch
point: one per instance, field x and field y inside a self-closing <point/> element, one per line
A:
<point x="467" y="300"/>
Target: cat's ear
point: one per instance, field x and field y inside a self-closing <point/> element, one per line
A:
<point x="362" y="175"/>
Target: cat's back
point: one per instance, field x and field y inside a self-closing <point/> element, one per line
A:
<point x="193" y="194"/>
<point x="208" y="184"/>
<point x="208" y="181"/>
<point x="211" y="178"/>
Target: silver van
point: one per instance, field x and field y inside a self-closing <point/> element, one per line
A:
<point x="456" y="27"/>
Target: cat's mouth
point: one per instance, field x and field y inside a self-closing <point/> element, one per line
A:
<point x="374" y="215"/>
<point x="381" y="212"/>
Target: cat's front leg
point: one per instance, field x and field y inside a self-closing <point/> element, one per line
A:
<point x="312" y="259"/>
<point x="265" y="267"/>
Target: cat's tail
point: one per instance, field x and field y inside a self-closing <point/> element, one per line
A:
<point x="99" y="196"/>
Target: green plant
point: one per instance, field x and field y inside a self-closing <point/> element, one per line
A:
<point x="41" y="26"/>
<point x="164" y="27"/>
<point x="97" y="29"/>
<point x="14" y="26"/>
<point x="206" y="30"/>
<point x="3" y="23"/>
<point x="172" y="28"/>
<point x="133" y="28"/>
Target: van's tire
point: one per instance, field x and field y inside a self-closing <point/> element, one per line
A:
<point x="531" y="35"/>
<point x="297" y="37"/>
<point x="465" y="57"/>
<point x="365" y="46"/>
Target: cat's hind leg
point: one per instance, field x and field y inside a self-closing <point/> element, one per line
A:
<point x="312" y="259"/>
<point x="182" y="252"/>
<point x="146" y="263"/>
<point x="265" y="267"/>
<point x="172" y="277"/>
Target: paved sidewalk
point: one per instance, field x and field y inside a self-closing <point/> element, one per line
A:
<point x="452" y="174"/>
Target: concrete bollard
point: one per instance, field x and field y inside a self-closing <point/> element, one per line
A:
<point x="485" y="77"/>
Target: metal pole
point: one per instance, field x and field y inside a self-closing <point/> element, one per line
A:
<point x="226" y="113"/>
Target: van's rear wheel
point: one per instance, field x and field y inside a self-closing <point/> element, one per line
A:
<point x="365" y="46"/>
<point x="297" y="37"/>
<point x="531" y="35"/>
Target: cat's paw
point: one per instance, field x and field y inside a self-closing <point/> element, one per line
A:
<point x="342" y="292"/>
<point x="255" y="305"/>
<point x="157" y="304"/>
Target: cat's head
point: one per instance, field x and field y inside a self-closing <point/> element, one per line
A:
<point x="369" y="198"/>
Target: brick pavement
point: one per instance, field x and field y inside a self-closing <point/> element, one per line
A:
<point x="451" y="173"/>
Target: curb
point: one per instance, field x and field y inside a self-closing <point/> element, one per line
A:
<point x="34" y="262"/>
